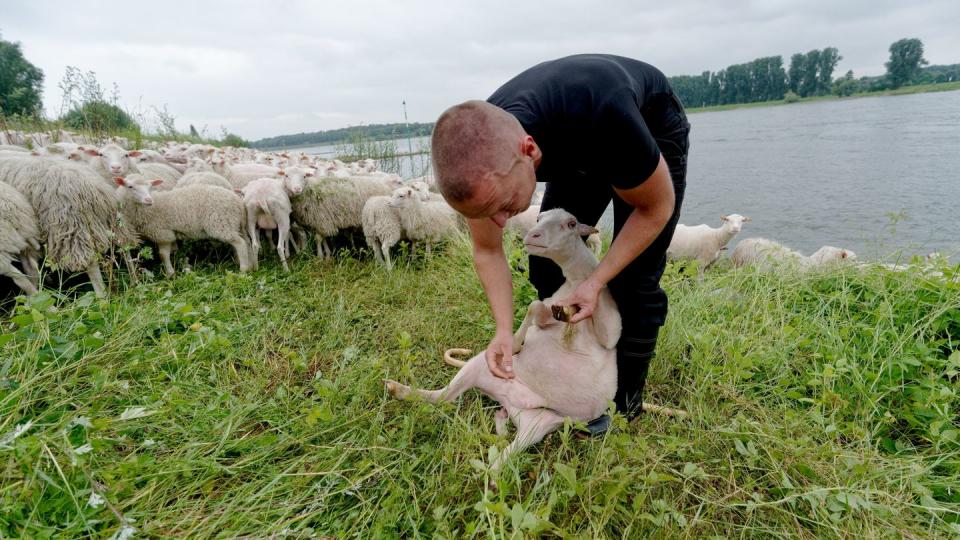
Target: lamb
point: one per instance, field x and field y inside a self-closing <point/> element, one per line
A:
<point x="561" y="369"/>
<point x="381" y="227"/>
<point x="702" y="242"/>
<point x="19" y="239"/>
<point x="192" y="212"/>
<point x="427" y="220"/>
<point x="762" y="252"/>
<point x="268" y="207"/>
<point x="168" y="174"/>
<point x="331" y="205"/>
<point x="76" y="211"/>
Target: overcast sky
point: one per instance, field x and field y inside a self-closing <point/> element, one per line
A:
<point x="270" y="68"/>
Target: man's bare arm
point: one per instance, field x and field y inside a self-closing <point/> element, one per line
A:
<point x="494" y="273"/>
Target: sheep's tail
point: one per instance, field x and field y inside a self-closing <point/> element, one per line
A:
<point x="450" y="360"/>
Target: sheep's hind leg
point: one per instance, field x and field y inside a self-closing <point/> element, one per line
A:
<point x="96" y="279"/>
<point x="532" y="426"/>
<point x="474" y="374"/>
<point x="22" y="281"/>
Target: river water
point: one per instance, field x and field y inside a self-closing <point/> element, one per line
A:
<point x="875" y="175"/>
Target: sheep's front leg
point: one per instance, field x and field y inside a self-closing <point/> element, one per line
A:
<point x="96" y="279"/>
<point x="606" y="321"/>
<point x="538" y="313"/>
<point x="165" y="248"/>
<point x="283" y="234"/>
<point x="22" y="281"/>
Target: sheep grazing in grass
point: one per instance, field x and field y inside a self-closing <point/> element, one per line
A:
<point x="330" y="205"/>
<point x="703" y="243"/>
<point x="268" y="208"/>
<point x="424" y="220"/>
<point x="193" y="212"/>
<point x="562" y="370"/>
<point x="763" y="253"/>
<point x="76" y="211"/>
<point x="19" y="239"/>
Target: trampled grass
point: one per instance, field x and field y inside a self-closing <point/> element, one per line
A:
<point x="226" y="405"/>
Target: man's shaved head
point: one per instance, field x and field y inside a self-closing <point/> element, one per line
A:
<point x="471" y="141"/>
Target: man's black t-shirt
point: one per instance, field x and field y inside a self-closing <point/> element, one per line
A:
<point x="594" y="116"/>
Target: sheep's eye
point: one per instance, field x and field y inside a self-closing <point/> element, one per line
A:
<point x="572" y="224"/>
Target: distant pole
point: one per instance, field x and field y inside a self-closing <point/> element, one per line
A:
<point x="406" y="126"/>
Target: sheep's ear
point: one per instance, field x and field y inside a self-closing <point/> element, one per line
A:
<point x="92" y="152"/>
<point x="724" y="218"/>
<point x="843" y="254"/>
<point x="119" y="181"/>
<point x="238" y="191"/>
<point x="586" y="230"/>
<point x="135" y="153"/>
<point x="308" y="175"/>
<point x="156" y="182"/>
<point x="34" y="153"/>
<point x="745" y="218"/>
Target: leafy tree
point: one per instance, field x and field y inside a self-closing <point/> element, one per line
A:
<point x="795" y="74"/>
<point x="829" y="58"/>
<point x="846" y="85"/>
<point x="906" y="57"/>
<point x="234" y="140"/>
<point x="21" y="83"/>
<point x="810" y="81"/>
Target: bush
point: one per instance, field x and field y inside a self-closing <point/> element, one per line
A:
<point x="791" y="97"/>
<point x="99" y="116"/>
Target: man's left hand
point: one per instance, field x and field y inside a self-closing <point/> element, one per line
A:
<point x="584" y="297"/>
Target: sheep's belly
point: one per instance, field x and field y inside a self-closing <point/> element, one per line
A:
<point x="576" y="381"/>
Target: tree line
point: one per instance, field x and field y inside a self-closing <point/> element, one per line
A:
<point x="809" y="74"/>
<point x="373" y="132"/>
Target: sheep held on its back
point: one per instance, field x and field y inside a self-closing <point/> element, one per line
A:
<point x="702" y="242"/>
<point x="330" y="205"/>
<point x="193" y="212"/>
<point x="427" y="220"/>
<point x="19" y="238"/>
<point x="76" y="211"/>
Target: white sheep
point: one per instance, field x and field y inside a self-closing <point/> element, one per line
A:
<point x="429" y="221"/>
<point x="268" y="207"/>
<point x="76" y="211"/>
<point x="330" y="205"/>
<point x="19" y="239"/>
<point x="764" y="253"/>
<point x="206" y="178"/>
<point x="111" y="161"/>
<point x="193" y="212"/>
<point x="702" y="242"/>
<point x="381" y="227"/>
<point x="524" y="221"/>
<point x="164" y="172"/>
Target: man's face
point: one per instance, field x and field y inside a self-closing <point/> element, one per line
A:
<point x="500" y="197"/>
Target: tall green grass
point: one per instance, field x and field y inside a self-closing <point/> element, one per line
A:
<point x="226" y="405"/>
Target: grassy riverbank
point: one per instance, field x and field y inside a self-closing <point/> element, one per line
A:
<point x="224" y="405"/>
<point x="916" y="89"/>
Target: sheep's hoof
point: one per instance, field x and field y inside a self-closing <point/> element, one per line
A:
<point x="395" y="389"/>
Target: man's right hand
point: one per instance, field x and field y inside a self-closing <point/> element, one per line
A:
<point x="500" y="356"/>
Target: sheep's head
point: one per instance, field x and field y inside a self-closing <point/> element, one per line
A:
<point x="556" y="235"/>
<point x="734" y="222"/>
<point x="828" y="254"/>
<point x="114" y="159"/>
<point x="404" y="197"/>
<point x="295" y="179"/>
<point x="138" y="187"/>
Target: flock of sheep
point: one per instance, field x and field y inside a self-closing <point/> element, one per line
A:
<point x="73" y="203"/>
<point x="77" y="202"/>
